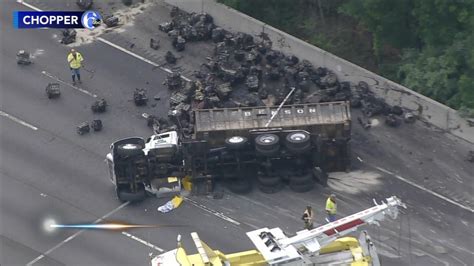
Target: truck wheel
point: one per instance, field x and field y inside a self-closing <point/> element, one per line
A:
<point x="269" y="180"/>
<point x="301" y="179"/>
<point x="267" y="144"/>
<point x="240" y="186"/>
<point x="301" y="188"/>
<point x="298" y="142"/>
<point x="124" y="195"/>
<point x="270" y="189"/>
<point x="235" y="142"/>
<point x="129" y="149"/>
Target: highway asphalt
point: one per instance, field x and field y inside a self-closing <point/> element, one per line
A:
<point x="51" y="172"/>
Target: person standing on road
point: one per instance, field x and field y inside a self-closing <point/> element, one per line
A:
<point x="308" y="218"/>
<point x="331" y="207"/>
<point x="75" y="59"/>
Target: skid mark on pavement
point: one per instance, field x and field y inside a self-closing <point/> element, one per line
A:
<point x="213" y="212"/>
<point x="75" y="235"/>
<point x="17" y="120"/>
<point x="426" y="190"/>
<point x="67" y="84"/>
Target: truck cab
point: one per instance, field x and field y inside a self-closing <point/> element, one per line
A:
<point x="138" y="168"/>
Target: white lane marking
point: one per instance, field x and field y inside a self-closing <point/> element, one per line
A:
<point x="426" y="190"/>
<point x="146" y="243"/>
<point x="67" y="84"/>
<point x="213" y="212"/>
<point x="75" y="235"/>
<point x="21" y="2"/>
<point x="138" y="56"/>
<point x="17" y="120"/>
<point x="116" y="46"/>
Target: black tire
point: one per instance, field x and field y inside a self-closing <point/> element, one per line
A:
<point x="129" y="149"/>
<point x="125" y="195"/>
<point x="270" y="189"/>
<point x="236" y="142"/>
<point x="240" y="186"/>
<point x="269" y="180"/>
<point x="298" y="142"/>
<point x="301" y="188"/>
<point x="302" y="179"/>
<point x="267" y="144"/>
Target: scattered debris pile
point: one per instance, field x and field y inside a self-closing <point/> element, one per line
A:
<point x="154" y="44"/>
<point x="96" y="125"/>
<point x="83" y="128"/>
<point x="52" y="90"/>
<point x="111" y="21"/>
<point x="99" y="106"/>
<point x="470" y="156"/>
<point x="139" y="97"/>
<point x="69" y="36"/>
<point x="23" y="58"/>
<point x="245" y="71"/>
<point x="84" y="4"/>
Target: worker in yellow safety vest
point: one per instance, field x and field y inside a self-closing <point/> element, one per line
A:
<point x="75" y="59"/>
<point x="331" y="207"/>
<point x="308" y="218"/>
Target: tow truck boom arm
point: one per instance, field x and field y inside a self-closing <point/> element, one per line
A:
<point x="277" y="248"/>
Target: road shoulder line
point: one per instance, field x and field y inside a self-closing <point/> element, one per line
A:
<point x="17" y="120"/>
<point x="137" y="56"/>
<point x="425" y="189"/>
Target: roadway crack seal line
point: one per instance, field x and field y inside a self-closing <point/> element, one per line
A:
<point x="426" y="190"/>
<point x="213" y="212"/>
<point x="17" y="120"/>
<point x="65" y="83"/>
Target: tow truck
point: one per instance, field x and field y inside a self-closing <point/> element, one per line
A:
<point x="324" y="245"/>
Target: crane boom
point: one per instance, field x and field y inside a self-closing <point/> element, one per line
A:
<point x="277" y="248"/>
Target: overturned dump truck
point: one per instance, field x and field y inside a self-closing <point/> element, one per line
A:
<point x="271" y="147"/>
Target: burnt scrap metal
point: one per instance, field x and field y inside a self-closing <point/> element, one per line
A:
<point x="23" y="57"/>
<point x="99" y="106"/>
<point x="154" y="44"/>
<point x="409" y="117"/>
<point x="96" y="125"/>
<point x="179" y="43"/>
<point x="52" y="91"/>
<point x="83" y="128"/>
<point x="170" y="58"/>
<point x="392" y="120"/>
<point x="139" y="97"/>
<point x="365" y="123"/>
<point x="84" y="4"/>
<point x="470" y="156"/>
<point x="245" y="71"/>
<point x="173" y="81"/>
<point x="111" y="21"/>
<point x="68" y="36"/>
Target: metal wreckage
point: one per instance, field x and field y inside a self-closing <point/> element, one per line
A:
<point x="252" y="116"/>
